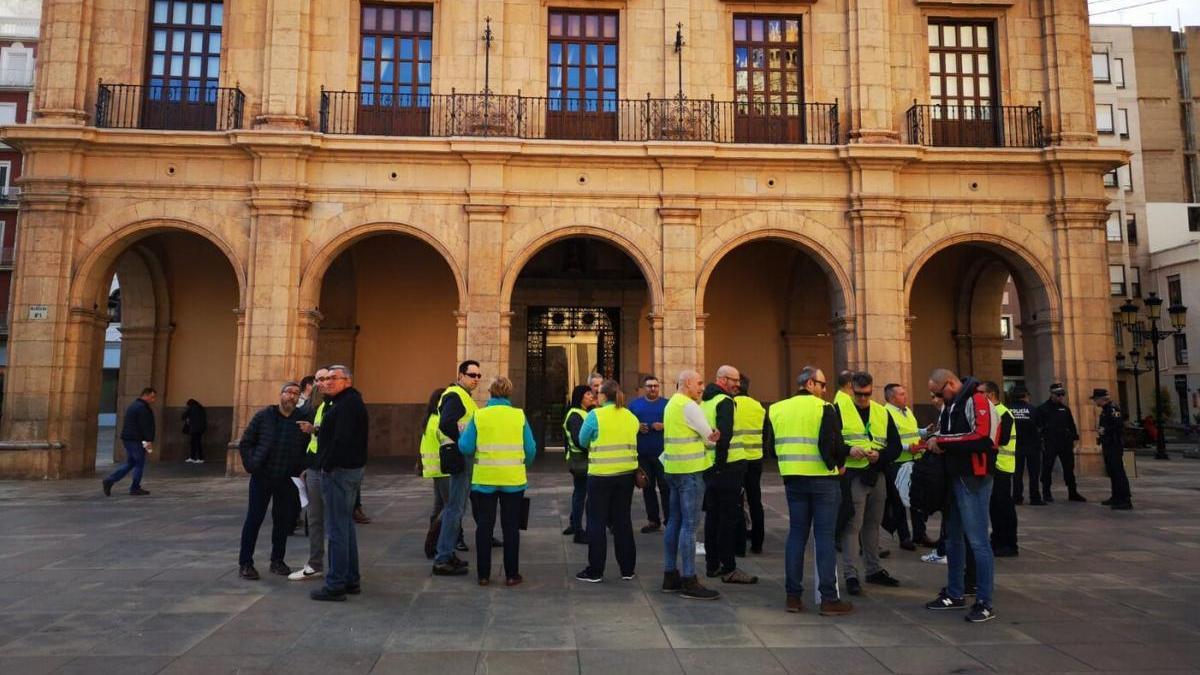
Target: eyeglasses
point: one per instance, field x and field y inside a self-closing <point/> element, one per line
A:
<point x="862" y="394"/>
<point x="939" y="392"/>
<point x="818" y="382"/>
<point x="473" y="376"/>
<point x="652" y="386"/>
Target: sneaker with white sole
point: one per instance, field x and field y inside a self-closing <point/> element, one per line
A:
<point x="980" y="613"/>
<point x="305" y="574"/>
<point x="944" y="601"/>
<point x="934" y="558"/>
<point x="189" y="460"/>
<point x="700" y="550"/>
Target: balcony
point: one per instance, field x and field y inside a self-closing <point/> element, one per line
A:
<point x="9" y="195"/>
<point x="508" y="116"/>
<point x="16" y="78"/>
<point x="997" y="126"/>
<point x="17" y="28"/>
<point x="8" y="257"/>
<point x="135" y="106"/>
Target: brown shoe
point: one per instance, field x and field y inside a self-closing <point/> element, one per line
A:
<point x="739" y="577"/>
<point x="360" y="517"/>
<point x="795" y="604"/>
<point x="514" y="581"/>
<point x="836" y="608"/>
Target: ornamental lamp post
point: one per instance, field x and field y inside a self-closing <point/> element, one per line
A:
<point x="1178" y="317"/>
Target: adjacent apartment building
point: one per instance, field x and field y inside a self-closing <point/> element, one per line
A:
<point x="547" y="187"/>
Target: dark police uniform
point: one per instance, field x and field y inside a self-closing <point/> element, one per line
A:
<point x="1029" y="453"/>
<point x="1059" y="434"/>
<point x="1111" y="437"/>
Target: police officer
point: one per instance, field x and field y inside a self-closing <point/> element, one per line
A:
<point x="1001" y="507"/>
<point x="1111" y="431"/>
<point x="1059" y="436"/>
<point x="1029" y="449"/>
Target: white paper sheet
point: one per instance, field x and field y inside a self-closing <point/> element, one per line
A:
<point x="303" y="492"/>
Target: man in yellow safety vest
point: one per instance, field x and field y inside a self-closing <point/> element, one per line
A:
<point x="454" y="412"/>
<point x="1001" y="507"/>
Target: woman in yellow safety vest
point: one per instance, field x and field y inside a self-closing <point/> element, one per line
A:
<point x="610" y="435"/>
<point x="582" y="400"/>
<point x="499" y="438"/>
<point x="431" y="467"/>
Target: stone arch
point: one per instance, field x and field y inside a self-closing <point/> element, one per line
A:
<point x="531" y="248"/>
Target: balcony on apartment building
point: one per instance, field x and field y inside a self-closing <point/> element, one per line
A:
<point x="19" y="28"/>
<point x="975" y="126"/>
<point x="169" y="107"/>
<point x="17" y="78"/>
<point x="583" y="119"/>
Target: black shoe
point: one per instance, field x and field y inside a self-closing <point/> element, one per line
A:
<point x="458" y="562"/>
<point x="944" y="601"/>
<point x="580" y="539"/>
<point x="325" y="595"/>
<point x="586" y="574"/>
<point x="756" y="550"/>
<point x="883" y="579"/>
<point x="712" y="573"/>
<point x="694" y="590"/>
<point x="569" y="531"/>
<point x="884" y="553"/>
<point x="1036" y="501"/>
<point x="672" y="583"/>
<point x="652" y="526"/>
<point x="908" y="545"/>
<point x="853" y="587"/>
<point x="447" y="569"/>
<point x="969" y="589"/>
<point x="279" y="567"/>
<point x="1074" y="497"/>
<point x="980" y="613"/>
<point x="107" y="484"/>
<point x="139" y="492"/>
<point x="496" y="543"/>
<point x="1049" y="498"/>
<point x="1006" y="552"/>
<point x="461" y="546"/>
<point x="248" y="573"/>
<point x="1122" y="506"/>
<point x="1018" y="500"/>
<point x="356" y="589"/>
<point x="1108" y="502"/>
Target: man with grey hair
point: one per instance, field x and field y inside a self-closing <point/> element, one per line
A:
<point x="723" y="519"/>
<point x="272" y="450"/>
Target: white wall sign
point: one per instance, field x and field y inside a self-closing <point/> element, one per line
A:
<point x="39" y="312"/>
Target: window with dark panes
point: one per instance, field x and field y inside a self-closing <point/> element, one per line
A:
<point x="1174" y="290"/>
<point x="962" y="63"/>
<point x="1135" y="281"/>
<point x="395" y="69"/>
<point x="184" y="51"/>
<point x="1181" y="354"/>
<point x="1131" y="229"/>
<point x="1116" y="279"/>
<point x="581" y="74"/>
<point x="768" y="79"/>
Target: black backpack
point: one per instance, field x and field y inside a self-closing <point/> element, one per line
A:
<point x="927" y="491"/>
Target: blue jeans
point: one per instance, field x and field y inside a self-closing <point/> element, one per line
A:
<point x="135" y="460"/>
<point x="452" y="515"/>
<point x="679" y="539"/>
<point x="813" y="503"/>
<point x="338" y="488"/>
<point x="967" y="514"/>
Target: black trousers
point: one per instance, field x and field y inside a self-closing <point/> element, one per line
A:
<point x="1028" y="459"/>
<point x="895" y="516"/>
<point x="723" y="516"/>
<point x="752" y="487"/>
<point x="610" y="504"/>
<point x="656" y="486"/>
<point x="1003" y="512"/>
<point x="280" y="494"/>
<point x="1063" y="453"/>
<point x="483" y="508"/>
<point x="197" y="449"/>
<point x="1114" y="465"/>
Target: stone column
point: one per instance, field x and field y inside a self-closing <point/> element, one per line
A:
<point x="63" y="62"/>
<point x="1070" y="117"/>
<point x="872" y="112"/>
<point x="285" y="65"/>
<point x="682" y="343"/>
<point x="487" y="334"/>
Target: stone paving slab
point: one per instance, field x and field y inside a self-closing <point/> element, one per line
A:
<point x="146" y="585"/>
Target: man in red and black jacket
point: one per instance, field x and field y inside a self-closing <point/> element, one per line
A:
<point x="966" y="437"/>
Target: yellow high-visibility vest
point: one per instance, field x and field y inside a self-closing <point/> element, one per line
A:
<point x="857" y="435"/>
<point x="468" y="403"/>
<point x="683" y="449"/>
<point x="736" y="453"/>
<point x="910" y="431"/>
<point x="1006" y="455"/>
<point x="431" y="458"/>
<point x="796" y="423"/>
<point x="499" y="446"/>
<point x="572" y="449"/>
<point x="748" y="419"/>
<point x="317" y="417"/>
<point x="614" y="450"/>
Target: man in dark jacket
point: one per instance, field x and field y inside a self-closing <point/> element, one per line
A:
<point x="1111" y="437"/>
<point x="1059" y="436"/>
<point x="195" y="423"/>
<point x="723" y="519"/>
<point x="342" y="443"/>
<point x="966" y="436"/>
<point x="272" y="450"/>
<point x="1029" y="449"/>
<point x="137" y="437"/>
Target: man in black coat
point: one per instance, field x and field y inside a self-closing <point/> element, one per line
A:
<point x="1111" y="437"/>
<point x="137" y="437"/>
<point x="272" y="449"/>
<point x="1059" y="436"/>
<point x="1029" y="449"/>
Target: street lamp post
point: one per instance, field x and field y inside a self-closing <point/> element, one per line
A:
<point x="1136" y="370"/>
<point x="1129" y="317"/>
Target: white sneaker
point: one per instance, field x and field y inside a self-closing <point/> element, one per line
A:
<point x="700" y="550"/>
<point x="189" y="460"/>
<point x="933" y="557"/>
<point x="304" y="574"/>
<point x="199" y="461"/>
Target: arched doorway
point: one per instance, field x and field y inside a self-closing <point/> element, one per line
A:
<point x="387" y="310"/>
<point x="982" y="309"/>
<point x="578" y="305"/>
<point x="772" y="308"/>
<point x="171" y="325"/>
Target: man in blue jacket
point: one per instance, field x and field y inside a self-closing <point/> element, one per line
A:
<point x="137" y="437"/>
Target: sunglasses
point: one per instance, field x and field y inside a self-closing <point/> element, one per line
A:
<point x="819" y="382"/>
<point x="474" y="376"/>
<point x="862" y="394"/>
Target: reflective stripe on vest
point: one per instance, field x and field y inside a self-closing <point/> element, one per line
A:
<point x="572" y="449"/>
<point x="906" y="424"/>
<point x="317" y="417"/>
<point x="468" y="404"/>
<point x="748" y="426"/>
<point x="857" y="435"/>
<point x="431" y="458"/>
<point x="1006" y="455"/>
<point x="614" y="450"/>
<point x="797" y="425"/>
<point x="736" y="452"/>
<point x="499" y="446"/>
<point x="683" y="449"/>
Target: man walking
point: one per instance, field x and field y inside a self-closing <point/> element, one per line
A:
<point x="872" y="443"/>
<point x="649" y="411"/>
<point x="1111" y="433"/>
<point x="343" y="454"/>
<point x="685" y="458"/>
<point x="137" y="437"/>
<point x="454" y="412"/>
<point x="748" y="418"/>
<point x="1059" y="436"/>
<point x="902" y="416"/>
<point x="312" y="482"/>
<point x="804" y="433"/>
<point x="1029" y="449"/>
<point x="272" y="450"/>
<point x="723" y="520"/>
<point x="1001" y="508"/>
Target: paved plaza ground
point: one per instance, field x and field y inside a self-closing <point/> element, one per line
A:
<point x="143" y="585"/>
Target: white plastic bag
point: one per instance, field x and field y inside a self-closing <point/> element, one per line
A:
<point x="903" y="481"/>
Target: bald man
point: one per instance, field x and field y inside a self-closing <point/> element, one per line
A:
<point x="723" y="521"/>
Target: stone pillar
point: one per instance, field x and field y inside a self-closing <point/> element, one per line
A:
<point x="682" y="343"/>
<point x="63" y="62"/>
<point x="872" y="112"/>
<point x="656" y="354"/>
<point x="285" y="65"/>
<point x="305" y="347"/>
<point x="487" y="333"/>
<point x="1070" y="117"/>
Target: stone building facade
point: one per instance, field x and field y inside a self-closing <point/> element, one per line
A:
<point x="843" y="182"/>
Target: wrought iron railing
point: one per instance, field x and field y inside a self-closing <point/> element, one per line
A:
<point x="136" y="106"/>
<point x="8" y="257"/>
<point x="1008" y="126"/>
<point x="517" y="116"/>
